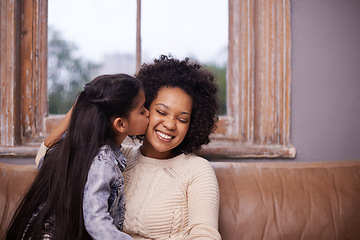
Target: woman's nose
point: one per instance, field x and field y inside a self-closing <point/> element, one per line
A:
<point x="169" y="123"/>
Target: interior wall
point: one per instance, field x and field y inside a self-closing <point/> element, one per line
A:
<point x="325" y="97"/>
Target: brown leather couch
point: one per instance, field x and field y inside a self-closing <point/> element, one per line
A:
<point x="281" y="200"/>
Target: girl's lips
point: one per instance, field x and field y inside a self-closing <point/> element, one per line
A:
<point x="163" y="136"/>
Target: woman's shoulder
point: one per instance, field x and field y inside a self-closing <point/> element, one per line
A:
<point x="195" y="159"/>
<point x="195" y="163"/>
<point x="196" y="171"/>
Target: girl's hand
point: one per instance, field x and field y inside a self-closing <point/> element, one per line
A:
<point x="59" y="130"/>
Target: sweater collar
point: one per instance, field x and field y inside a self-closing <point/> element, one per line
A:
<point x="159" y="162"/>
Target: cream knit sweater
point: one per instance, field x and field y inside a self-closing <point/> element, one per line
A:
<point x="175" y="198"/>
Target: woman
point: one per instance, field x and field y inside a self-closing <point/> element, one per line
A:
<point x="170" y="192"/>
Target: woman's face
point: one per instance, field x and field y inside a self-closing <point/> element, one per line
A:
<point x="169" y="121"/>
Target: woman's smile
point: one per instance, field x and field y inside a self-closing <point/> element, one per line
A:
<point x="164" y="136"/>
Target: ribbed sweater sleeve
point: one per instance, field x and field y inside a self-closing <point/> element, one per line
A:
<point x="203" y="202"/>
<point x="41" y="153"/>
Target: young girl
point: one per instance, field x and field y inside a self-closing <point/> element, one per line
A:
<point x="78" y="192"/>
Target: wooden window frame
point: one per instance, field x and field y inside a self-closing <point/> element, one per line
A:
<point x="258" y="78"/>
<point x="257" y="124"/>
<point x="23" y="71"/>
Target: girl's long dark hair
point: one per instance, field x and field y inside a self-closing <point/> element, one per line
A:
<point x="60" y="182"/>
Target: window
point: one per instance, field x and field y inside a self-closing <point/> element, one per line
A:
<point x="257" y="123"/>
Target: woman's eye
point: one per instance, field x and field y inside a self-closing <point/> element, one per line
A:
<point x="161" y="112"/>
<point x="183" y="120"/>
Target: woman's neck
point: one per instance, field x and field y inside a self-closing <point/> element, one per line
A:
<point x="149" y="151"/>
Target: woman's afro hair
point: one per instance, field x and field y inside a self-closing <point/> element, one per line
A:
<point x="195" y="81"/>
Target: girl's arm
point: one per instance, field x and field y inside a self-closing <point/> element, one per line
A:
<point x="59" y="130"/>
<point x="53" y="137"/>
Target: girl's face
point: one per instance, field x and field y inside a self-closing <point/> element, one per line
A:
<point x="138" y="118"/>
<point x="170" y="115"/>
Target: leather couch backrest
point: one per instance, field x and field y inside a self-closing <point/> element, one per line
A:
<point x="260" y="201"/>
<point x="287" y="201"/>
<point x="14" y="182"/>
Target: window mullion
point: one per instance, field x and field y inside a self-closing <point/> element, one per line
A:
<point x="138" y="35"/>
<point x="33" y="68"/>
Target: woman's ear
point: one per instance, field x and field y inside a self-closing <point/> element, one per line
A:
<point x="120" y="124"/>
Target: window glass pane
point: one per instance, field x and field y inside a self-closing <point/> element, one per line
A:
<point x="87" y="38"/>
<point x="188" y="28"/>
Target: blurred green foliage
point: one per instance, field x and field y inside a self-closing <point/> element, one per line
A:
<point x="67" y="73"/>
<point x="220" y="77"/>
